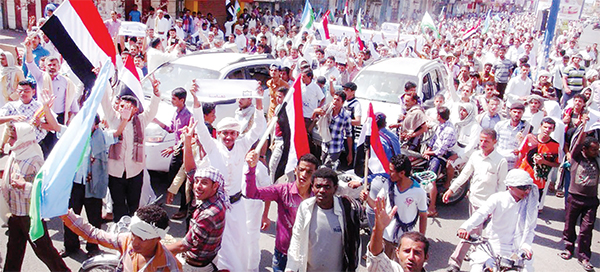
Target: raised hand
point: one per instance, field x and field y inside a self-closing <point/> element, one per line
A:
<point x="47" y="98"/>
<point x="155" y="84"/>
<point x="382" y="218"/>
<point x="252" y="158"/>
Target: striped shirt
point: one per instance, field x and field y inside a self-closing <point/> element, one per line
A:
<point x="19" y="199"/>
<point x="502" y="70"/>
<point x="575" y="77"/>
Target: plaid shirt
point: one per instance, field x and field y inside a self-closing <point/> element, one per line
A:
<point x="340" y="128"/>
<point x="19" y="199"/>
<point x="502" y="70"/>
<point x="27" y="110"/>
<point x="206" y="230"/>
<point x="444" y="139"/>
<point x="507" y="135"/>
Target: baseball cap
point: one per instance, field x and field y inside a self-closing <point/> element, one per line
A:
<point x="350" y="85"/>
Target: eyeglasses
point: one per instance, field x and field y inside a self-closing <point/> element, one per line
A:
<point x="524" y="187"/>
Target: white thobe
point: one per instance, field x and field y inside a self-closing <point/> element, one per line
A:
<point x="502" y="229"/>
<point x="254" y="210"/>
<point x="233" y="254"/>
<point x="161" y="27"/>
<point x="241" y="41"/>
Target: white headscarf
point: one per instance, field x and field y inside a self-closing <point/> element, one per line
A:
<point x="25" y="146"/>
<point x="145" y="230"/>
<point x="470" y="108"/>
<point x="9" y="73"/>
<point x="528" y="206"/>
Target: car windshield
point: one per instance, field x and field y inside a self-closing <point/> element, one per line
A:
<point x="172" y="76"/>
<point x="379" y="86"/>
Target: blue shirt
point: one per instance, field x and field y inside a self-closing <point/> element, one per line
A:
<point x="38" y="53"/>
<point x="135" y="16"/>
<point x="100" y="141"/>
<point x="390" y="142"/>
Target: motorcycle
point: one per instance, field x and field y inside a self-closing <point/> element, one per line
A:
<point x="497" y="263"/>
<point x="420" y="165"/>
<point x="107" y="262"/>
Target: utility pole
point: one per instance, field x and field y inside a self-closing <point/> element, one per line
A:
<point x="550" y="29"/>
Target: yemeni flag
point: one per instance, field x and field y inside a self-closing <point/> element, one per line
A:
<point x="346" y="15"/>
<point x="427" y="22"/>
<point x="472" y="30"/>
<point x="308" y="16"/>
<point x="80" y="36"/>
<point x="129" y="82"/>
<point x="361" y="44"/>
<point x="326" y="24"/>
<point x="369" y="140"/>
<point x="54" y="181"/>
<point x="293" y="131"/>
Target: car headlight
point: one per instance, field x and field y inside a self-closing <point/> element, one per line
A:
<point x="155" y="134"/>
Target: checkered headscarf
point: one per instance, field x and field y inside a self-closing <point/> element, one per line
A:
<point x="216" y="176"/>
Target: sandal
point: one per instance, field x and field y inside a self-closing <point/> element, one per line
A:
<point x="565" y="254"/>
<point x="586" y="265"/>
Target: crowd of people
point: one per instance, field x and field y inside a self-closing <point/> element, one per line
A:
<point x="511" y="120"/>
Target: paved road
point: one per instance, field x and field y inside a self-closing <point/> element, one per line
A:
<point x="440" y="231"/>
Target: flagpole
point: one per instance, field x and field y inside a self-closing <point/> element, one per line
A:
<point x="273" y="121"/>
<point x="366" y="174"/>
<point x="265" y="137"/>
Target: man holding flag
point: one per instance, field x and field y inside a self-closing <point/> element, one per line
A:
<point x="24" y="161"/>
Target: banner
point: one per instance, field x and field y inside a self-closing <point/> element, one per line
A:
<point x="134" y="29"/>
<point x="570" y="9"/>
<point x="211" y="90"/>
<point x="594" y="122"/>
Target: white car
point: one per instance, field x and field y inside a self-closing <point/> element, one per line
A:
<point x="179" y="73"/>
<point x="382" y="84"/>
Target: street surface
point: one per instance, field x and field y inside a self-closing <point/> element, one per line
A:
<point x="441" y="231"/>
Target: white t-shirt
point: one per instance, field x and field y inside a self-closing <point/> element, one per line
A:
<point x="517" y="88"/>
<point x="311" y="95"/>
<point x="409" y="203"/>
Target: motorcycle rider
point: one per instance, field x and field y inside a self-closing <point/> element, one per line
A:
<point x="513" y="219"/>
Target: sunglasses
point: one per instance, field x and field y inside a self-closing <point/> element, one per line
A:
<point x="523" y="187"/>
